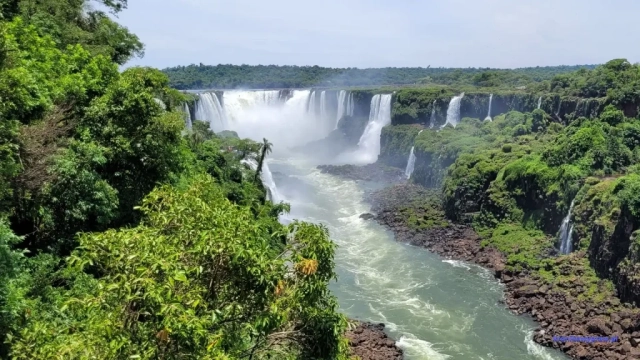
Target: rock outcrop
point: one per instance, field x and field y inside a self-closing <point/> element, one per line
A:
<point x="369" y="342"/>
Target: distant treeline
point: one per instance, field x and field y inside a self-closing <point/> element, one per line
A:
<point x="273" y="76"/>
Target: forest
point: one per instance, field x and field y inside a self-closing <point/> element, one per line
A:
<point x="273" y="77"/>
<point x="124" y="235"/>
<point x="517" y="177"/>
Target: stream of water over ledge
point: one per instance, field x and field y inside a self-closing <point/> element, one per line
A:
<point x="435" y="309"/>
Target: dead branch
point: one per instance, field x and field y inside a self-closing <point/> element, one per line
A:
<point x="38" y="143"/>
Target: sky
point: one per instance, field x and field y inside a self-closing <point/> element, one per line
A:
<point x="384" y="33"/>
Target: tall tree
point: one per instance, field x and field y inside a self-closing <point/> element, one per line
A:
<point x="264" y="150"/>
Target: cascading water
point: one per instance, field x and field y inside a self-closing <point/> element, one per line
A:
<point x="488" y="118"/>
<point x="208" y="109"/>
<point x="369" y="143"/>
<point x="267" y="178"/>
<point x="187" y="116"/>
<point x="273" y="194"/>
<point x="411" y="163"/>
<point x="311" y="109"/>
<point x="323" y="105"/>
<point x="453" y="111"/>
<point x="539" y="102"/>
<point x="432" y="119"/>
<point x="350" y="104"/>
<point x="262" y="114"/>
<point x="559" y="106"/>
<point x="566" y="230"/>
<point x="379" y="117"/>
<point x="342" y="99"/>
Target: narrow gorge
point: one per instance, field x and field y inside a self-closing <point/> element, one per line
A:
<point x="435" y="308"/>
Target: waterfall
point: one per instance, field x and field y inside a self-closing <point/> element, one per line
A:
<point x="566" y="230"/>
<point x="410" y="164"/>
<point x="258" y="114"/>
<point x="432" y="119"/>
<point x="311" y="109"/>
<point x="267" y="179"/>
<point x="342" y="97"/>
<point x="488" y="118"/>
<point x="187" y="116"/>
<point x="559" y="105"/>
<point x="453" y="111"/>
<point x="369" y="144"/>
<point x="273" y="194"/>
<point x="350" y="104"/>
<point x="208" y="109"/>
<point x="323" y="105"/>
<point x="539" y="102"/>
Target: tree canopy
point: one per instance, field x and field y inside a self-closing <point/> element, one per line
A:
<point x="273" y="76"/>
<point x="125" y="235"/>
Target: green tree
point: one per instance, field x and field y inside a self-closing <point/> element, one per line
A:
<point x="198" y="279"/>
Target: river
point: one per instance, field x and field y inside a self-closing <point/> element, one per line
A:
<point x="434" y="308"/>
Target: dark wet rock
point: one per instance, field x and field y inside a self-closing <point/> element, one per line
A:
<point x="598" y="326"/>
<point x="370" y="172"/>
<point x="369" y="342"/>
<point x="367" y="216"/>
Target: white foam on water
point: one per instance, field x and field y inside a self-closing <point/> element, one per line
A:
<point x="421" y="349"/>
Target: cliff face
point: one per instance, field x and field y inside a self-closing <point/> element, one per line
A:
<point x="606" y="226"/>
<point x="396" y="143"/>
<point x="416" y="106"/>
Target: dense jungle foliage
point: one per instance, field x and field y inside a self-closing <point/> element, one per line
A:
<point x="517" y="176"/>
<point x="122" y="234"/>
<point x="273" y="76"/>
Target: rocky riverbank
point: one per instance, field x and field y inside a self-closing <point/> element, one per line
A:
<point x="368" y="341"/>
<point x="563" y="308"/>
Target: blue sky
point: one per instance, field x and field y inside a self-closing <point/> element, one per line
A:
<point x="381" y="33"/>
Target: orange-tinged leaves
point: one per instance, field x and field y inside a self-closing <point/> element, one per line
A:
<point x="163" y="335"/>
<point x="307" y="266"/>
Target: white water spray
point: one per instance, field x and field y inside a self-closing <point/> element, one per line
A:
<point x="323" y="105"/>
<point x="566" y="230"/>
<point x="350" y="104"/>
<point x="311" y="109"/>
<point x="411" y="163"/>
<point x="187" y="116"/>
<point x="342" y="99"/>
<point x="208" y="109"/>
<point x="273" y="194"/>
<point x="262" y="114"/>
<point x="488" y="118"/>
<point x="453" y="111"/>
<point x="432" y="119"/>
<point x="369" y="144"/>
<point x="539" y="102"/>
